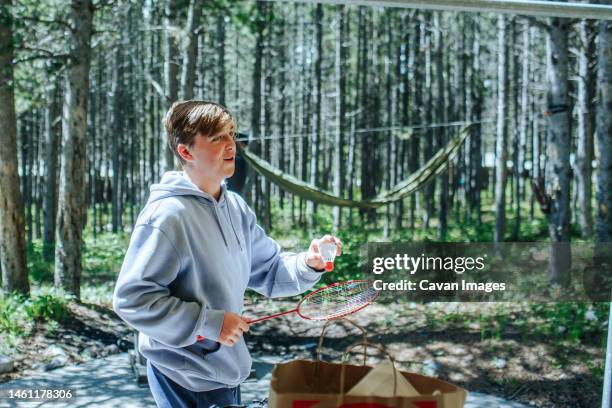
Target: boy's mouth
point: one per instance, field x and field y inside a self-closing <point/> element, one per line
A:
<point x="228" y="159"/>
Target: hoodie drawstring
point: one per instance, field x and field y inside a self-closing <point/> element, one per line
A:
<point x="220" y="226"/>
<point x="232" y="224"/>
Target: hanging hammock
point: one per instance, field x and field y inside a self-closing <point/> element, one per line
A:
<point x="414" y="182"/>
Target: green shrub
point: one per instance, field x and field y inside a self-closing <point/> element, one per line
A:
<point x="46" y="307"/>
<point x="40" y="271"/>
<point x="19" y="314"/>
<point x="13" y="319"/>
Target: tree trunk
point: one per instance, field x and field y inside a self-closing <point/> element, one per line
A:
<point x="603" y="217"/>
<point x="170" y="72"/>
<point x="117" y="157"/>
<point x="12" y="228"/>
<point x="52" y="138"/>
<point x="584" y="143"/>
<point x="316" y="128"/>
<point x="255" y="143"/>
<point x="500" y="142"/>
<point x="415" y="54"/>
<point x="72" y="191"/>
<point x="476" y="99"/>
<point x="426" y="117"/>
<point x="221" y="57"/>
<point x="440" y="118"/>
<point x="557" y="173"/>
<point x="340" y="111"/>
<point x="190" y="50"/>
<point x="522" y="130"/>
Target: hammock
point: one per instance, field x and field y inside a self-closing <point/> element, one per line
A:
<point x="414" y="182"/>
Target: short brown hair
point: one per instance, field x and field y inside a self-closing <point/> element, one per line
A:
<point x="185" y="119"/>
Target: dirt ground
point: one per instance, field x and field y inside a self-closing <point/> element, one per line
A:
<point x="514" y="366"/>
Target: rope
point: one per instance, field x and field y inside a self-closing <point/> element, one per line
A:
<point x="415" y="181"/>
<point x="373" y="130"/>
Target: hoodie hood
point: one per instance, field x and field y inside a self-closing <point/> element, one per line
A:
<point x="175" y="183"/>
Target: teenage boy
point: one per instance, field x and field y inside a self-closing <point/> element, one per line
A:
<point x="195" y="249"/>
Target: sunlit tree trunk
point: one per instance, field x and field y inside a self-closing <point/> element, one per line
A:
<point x="72" y="191"/>
<point x="584" y="142"/>
<point x="12" y="225"/>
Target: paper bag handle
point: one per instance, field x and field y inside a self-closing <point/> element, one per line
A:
<point x="317" y="366"/>
<point x="337" y="320"/>
<point x="365" y="345"/>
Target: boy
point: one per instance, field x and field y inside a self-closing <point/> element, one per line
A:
<point x="195" y="249"/>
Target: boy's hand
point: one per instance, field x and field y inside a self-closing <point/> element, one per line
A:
<point x="233" y="327"/>
<point x="313" y="257"/>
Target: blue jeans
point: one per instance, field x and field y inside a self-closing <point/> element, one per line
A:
<point x="168" y="394"/>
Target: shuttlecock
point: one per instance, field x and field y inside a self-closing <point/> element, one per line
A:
<point x="328" y="253"/>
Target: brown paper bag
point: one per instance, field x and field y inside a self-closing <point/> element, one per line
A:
<point x="316" y="384"/>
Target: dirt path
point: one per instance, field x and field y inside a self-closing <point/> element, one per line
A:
<point x="514" y="367"/>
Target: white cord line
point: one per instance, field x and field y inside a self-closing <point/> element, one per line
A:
<point x="373" y="130"/>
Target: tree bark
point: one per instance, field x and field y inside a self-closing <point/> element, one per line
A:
<point x="501" y="136"/>
<point x="170" y="73"/>
<point x="584" y="143"/>
<point x="190" y="50"/>
<point x="221" y="57"/>
<point x="12" y="223"/>
<point x="440" y="118"/>
<point x="603" y="217"/>
<point x="523" y="128"/>
<point x="475" y="114"/>
<point x="256" y="144"/>
<point x="340" y="111"/>
<point x="52" y="139"/>
<point x="72" y="191"/>
<point x="316" y="128"/>
<point x="426" y="115"/>
<point x="117" y="156"/>
<point x="557" y="172"/>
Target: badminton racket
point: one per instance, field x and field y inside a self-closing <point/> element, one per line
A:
<point x="332" y="301"/>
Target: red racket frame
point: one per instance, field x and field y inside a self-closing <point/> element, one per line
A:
<point x="297" y="309"/>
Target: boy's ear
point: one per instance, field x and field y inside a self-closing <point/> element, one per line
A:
<point x="184" y="152"/>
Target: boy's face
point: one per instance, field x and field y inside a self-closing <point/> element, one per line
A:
<point x="213" y="157"/>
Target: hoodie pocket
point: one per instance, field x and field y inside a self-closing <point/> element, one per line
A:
<point x="198" y="360"/>
<point x="228" y="365"/>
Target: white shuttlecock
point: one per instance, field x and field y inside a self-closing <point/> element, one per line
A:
<point x="328" y="253"/>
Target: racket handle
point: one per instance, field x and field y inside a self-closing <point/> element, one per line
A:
<point x="261" y="319"/>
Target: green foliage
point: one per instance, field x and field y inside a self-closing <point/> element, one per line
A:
<point x="18" y="314"/>
<point x="103" y="256"/>
<point x="47" y="307"/>
<point x="573" y="322"/>
<point x="40" y="271"/>
<point x="557" y="322"/>
<point x="13" y="318"/>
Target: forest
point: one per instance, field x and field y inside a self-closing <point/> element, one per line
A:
<point x="374" y="123"/>
<point x="350" y="100"/>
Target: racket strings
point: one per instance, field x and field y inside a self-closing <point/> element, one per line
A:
<point x="337" y="300"/>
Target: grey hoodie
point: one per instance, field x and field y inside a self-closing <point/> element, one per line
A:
<point x="190" y="259"/>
